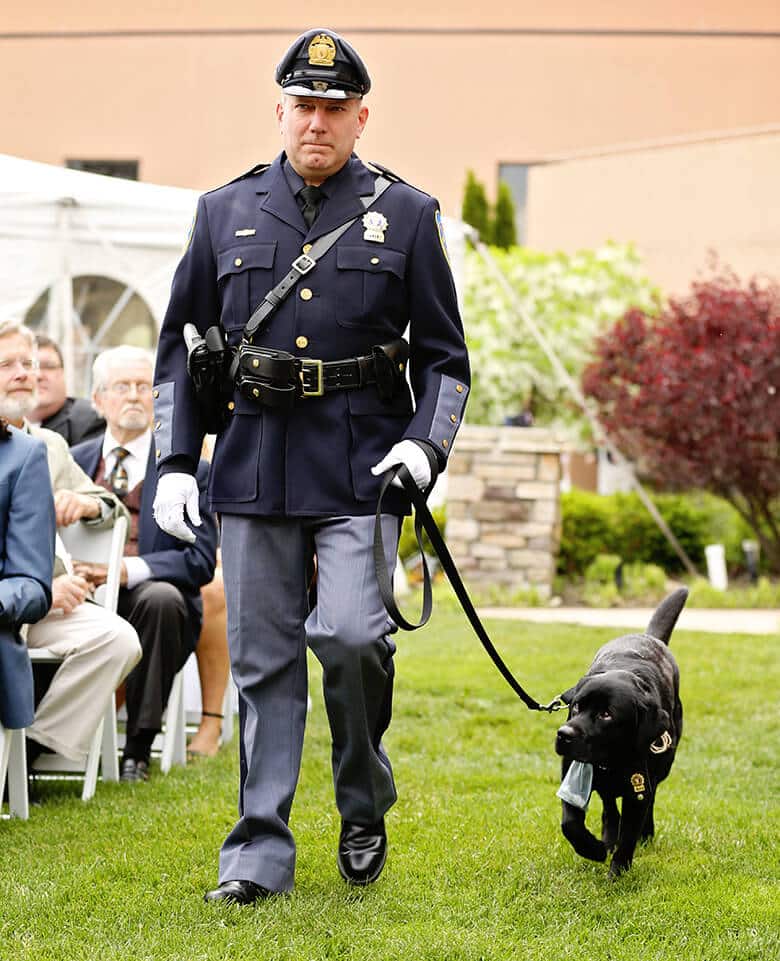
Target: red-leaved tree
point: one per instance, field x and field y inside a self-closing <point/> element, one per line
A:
<point x="694" y="396"/>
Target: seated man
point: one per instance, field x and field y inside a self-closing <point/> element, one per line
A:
<point x="73" y="418"/>
<point x="99" y="648"/>
<point x="26" y="553"/>
<point x="161" y="575"/>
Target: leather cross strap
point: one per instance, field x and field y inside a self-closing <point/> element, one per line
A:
<point x="424" y="519"/>
<point x="305" y="264"/>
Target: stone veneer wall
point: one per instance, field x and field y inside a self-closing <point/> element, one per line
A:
<point x="503" y="506"/>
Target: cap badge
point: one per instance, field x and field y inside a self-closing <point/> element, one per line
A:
<point x="376" y="225"/>
<point x="322" y="51"/>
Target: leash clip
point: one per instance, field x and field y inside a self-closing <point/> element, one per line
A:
<point x="556" y="704"/>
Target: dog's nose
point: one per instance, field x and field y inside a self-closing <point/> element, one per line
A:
<point x="566" y="734"/>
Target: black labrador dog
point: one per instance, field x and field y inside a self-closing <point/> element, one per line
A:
<point x="623" y="728"/>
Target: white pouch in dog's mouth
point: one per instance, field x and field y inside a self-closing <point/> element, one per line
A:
<point x="576" y="787"/>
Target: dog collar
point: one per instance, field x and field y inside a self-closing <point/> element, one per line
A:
<point x="661" y="744"/>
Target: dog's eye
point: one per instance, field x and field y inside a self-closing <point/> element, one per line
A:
<point x="574" y="708"/>
<point x="604" y="715"/>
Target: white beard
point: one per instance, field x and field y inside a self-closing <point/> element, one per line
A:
<point x="17" y="408"/>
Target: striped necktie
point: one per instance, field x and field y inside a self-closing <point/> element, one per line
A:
<point x="117" y="479"/>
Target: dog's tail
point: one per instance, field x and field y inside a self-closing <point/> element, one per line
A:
<point x="665" y="617"/>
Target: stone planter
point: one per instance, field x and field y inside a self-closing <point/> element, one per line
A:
<point x="503" y="506"/>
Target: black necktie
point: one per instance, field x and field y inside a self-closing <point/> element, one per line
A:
<point x="118" y="476"/>
<point x="312" y="198"/>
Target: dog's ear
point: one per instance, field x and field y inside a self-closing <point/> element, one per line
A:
<point x="568" y="696"/>
<point x="652" y="721"/>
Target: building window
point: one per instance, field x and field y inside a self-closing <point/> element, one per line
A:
<point x="516" y="177"/>
<point x="127" y="169"/>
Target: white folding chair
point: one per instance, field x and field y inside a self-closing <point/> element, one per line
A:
<point x="13" y="765"/>
<point x="103" y="547"/>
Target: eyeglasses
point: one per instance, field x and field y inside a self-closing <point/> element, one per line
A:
<point x="26" y="363"/>
<point x="123" y="388"/>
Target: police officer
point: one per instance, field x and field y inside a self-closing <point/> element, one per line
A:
<point x="319" y="405"/>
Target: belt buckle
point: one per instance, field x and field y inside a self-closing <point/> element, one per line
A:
<point x="304" y="263"/>
<point x="306" y="367"/>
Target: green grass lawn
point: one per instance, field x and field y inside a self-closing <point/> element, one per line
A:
<point x="477" y="865"/>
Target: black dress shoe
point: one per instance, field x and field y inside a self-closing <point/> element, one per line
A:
<point x="362" y="851"/>
<point x="237" y="892"/>
<point x="133" y="770"/>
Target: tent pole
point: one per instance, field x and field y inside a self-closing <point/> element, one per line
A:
<point x="568" y="382"/>
<point x="65" y="339"/>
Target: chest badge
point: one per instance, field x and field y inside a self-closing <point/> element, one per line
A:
<point x="246" y="232"/>
<point x="376" y="225"/>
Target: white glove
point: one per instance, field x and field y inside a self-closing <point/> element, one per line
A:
<point x="174" y="493"/>
<point x="413" y="458"/>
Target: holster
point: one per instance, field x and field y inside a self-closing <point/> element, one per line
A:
<point x="208" y="360"/>
<point x="266" y="375"/>
<point x="390" y="367"/>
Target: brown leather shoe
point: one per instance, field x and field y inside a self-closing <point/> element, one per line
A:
<point x="237" y="892"/>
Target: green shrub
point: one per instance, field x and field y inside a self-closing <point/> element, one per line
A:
<point x="407" y="545"/>
<point x="762" y="594"/>
<point x="601" y="569"/>
<point x="620" y="524"/>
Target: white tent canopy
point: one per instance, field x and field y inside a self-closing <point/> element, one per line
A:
<point x="58" y="224"/>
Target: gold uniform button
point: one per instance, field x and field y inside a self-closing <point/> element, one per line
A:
<point x="453" y="418"/>
<point x="459" y="388"/>
<point x="301" y="342"/>
<point x="237" y="262"/>
<point x="374" y="260"/>
<point x="231" y="405"/>
<point x="255" y="362"/>
<point x="155" y="393"/>
<point x="158" y="453"/>
<point x="306" y="248"/>
<point x="306" y="294"/>
<point x="445" y="443"/>
<point x="158" y="425"/>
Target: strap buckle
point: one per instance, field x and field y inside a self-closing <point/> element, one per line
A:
<point x="304" y="264"/>
<point x="311" y="369"/>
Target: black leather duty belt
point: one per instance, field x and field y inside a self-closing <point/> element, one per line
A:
<point x="277" y="379"/>
<point x="320" y="376"/>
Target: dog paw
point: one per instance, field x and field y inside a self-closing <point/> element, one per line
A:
<point x="617" y="868"/>
<point x="594" y="850"/>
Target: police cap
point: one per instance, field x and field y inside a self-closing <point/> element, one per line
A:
<point x="320" y="63"/>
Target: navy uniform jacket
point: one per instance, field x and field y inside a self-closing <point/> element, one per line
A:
<point x="187" y="566"/>
<point x="316" y="459"/>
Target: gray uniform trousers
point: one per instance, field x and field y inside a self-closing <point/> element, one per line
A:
<point x="264" y="564"/>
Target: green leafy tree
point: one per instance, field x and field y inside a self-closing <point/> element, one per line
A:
<point x="572" y="298"/>
<point x="504" y="231"/>
<point x="475" y="210"/>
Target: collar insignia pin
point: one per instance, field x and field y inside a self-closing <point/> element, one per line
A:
<point x="376" y="225"/>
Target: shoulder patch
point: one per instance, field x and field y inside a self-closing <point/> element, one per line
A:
<point x="440" y="231"/>
<point x="190" y="232"/>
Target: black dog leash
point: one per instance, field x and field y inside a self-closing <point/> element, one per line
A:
<point x="424" y="519"/>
